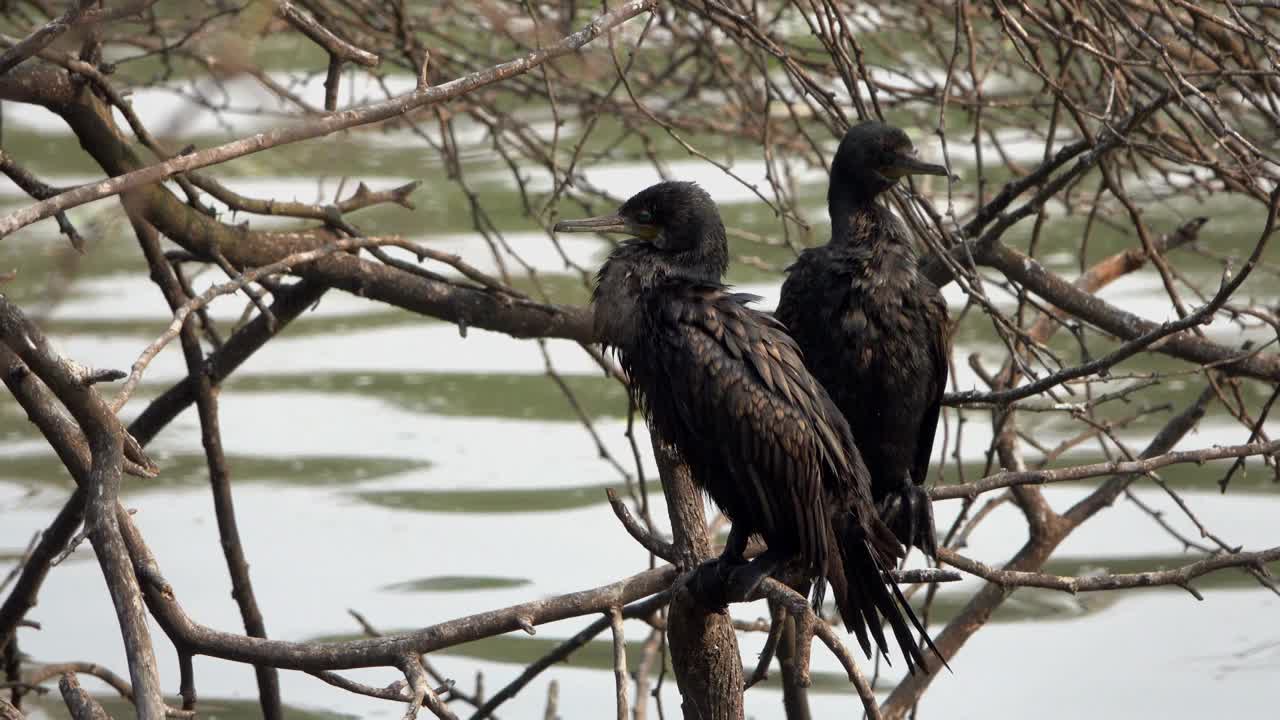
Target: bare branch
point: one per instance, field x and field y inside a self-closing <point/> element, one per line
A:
<point x="641" y="609"/>
<point x="1105" y="581"/>
<point x="44" y="673"/>
<point x="321" y="126"/>
<point x="33" y="43"/>
<point x="1103" y="469"/>
<point x="619" y="661"/>
<point x="80" y="703"/>
<point x="102" y="482"/>
<point x="182" y="313"/>
<point x="322" y="36"/>
<point x="40" y="191"/>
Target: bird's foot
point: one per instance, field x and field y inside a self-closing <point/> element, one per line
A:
<point x="709" y="582"/>
<point x="717" y="583"/>
<point x="744" y="580"/>
<point x="908" y="512"/>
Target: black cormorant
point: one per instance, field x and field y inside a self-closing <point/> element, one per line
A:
<point x="727" y="386"/>
<point x="873" y="328"/>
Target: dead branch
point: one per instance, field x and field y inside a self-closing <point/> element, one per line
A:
<point x="324" y="37"/>
<point x="181" y="314"/>
<point x="80" y="703"/>
<point x="1103" y="469"/>
<point x="45" y="673"/>
<point x="1104" y="581"/>
<point x="321" y="126"/>
<point x="619" y="661"/>
<point x="102" y="482"/>
<point x="33" y="43"/>
<point x="219" y="472"/>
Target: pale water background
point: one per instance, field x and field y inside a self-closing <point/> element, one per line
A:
<point x="381" y="462"/>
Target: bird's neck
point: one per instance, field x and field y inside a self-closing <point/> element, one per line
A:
<point x="854" y="221"/>
<point x="878" y="238"/>
<point x="708" y="258"/>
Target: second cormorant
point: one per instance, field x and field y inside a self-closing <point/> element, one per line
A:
<point x="726" y="385"/>
<point x="873" y="328"/>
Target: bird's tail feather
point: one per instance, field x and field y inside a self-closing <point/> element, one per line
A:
<point x="863" y="595"/>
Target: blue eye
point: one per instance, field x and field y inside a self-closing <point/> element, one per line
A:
<point x="644" y="216"/>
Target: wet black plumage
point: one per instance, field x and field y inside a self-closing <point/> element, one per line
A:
<point x="873" y="328"/>
<point x="728" y="387"/>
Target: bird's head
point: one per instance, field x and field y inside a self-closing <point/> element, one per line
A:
<point x="677" y="231"/>
<point x="675" y="224"/>
<point x="872" y="157"/>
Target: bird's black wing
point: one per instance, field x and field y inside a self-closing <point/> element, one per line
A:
<point x="739" y="397"/>
<point x="937" y="357"/>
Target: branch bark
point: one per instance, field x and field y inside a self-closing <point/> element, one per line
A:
<point x="1114" y="467"/>
<point x="40" y="39"/>
<point x="1094" y="583"/>
<point x="219" y="471"/>
<point x="102" y="482"/>
<point x="704" y="647"/>
<point x="80" y="703"/>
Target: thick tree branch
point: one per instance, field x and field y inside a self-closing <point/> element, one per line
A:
<point x="704" y="647"/>
<point x="80" y="703"/>
<point x="1125" y="325"/>
<point x="106" y="450"/>
<point x="384" y="651"/>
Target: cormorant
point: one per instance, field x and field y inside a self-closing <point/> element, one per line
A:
<point x="873" y="328"/>
<point x="727" y="386"/>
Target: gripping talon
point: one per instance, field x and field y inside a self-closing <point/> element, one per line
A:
<point x="709" y="583"/>
<point x="908" y="512"/>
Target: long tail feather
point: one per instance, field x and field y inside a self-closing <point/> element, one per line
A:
<point x="864" y="596"/>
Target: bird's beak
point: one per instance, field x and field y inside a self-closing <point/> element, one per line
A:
<point x="906" y="163"/>
<point x="607" y="223"/>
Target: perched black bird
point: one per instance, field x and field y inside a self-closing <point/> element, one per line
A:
<point x="873" y="328"/>
<point x="727" y="386"/>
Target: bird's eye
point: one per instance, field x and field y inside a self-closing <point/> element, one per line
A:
<point x="644" y="216"/>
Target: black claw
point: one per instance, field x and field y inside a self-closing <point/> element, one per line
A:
<point x="728" y="579"/>
<point x="908" y="512"/>
<point x="912" y="502"/>
<point x="926" y="537"/>
<point x="743" y="582"/>
<point x="710" y="581"/>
